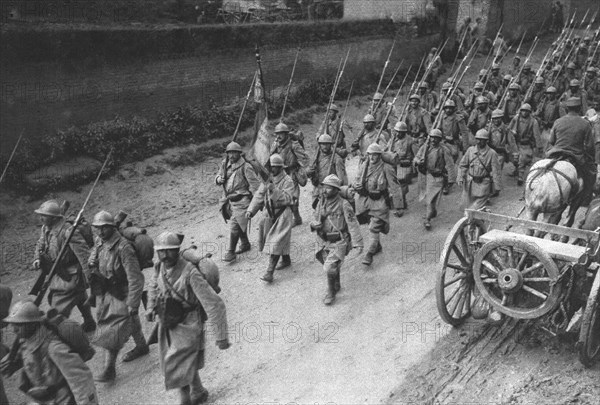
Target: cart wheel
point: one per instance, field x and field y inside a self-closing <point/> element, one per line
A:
<point x="517" y="278"/>
<point x="589" y="335"/>
<point x="454" y="285"/>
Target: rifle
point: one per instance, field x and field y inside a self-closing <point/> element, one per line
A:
<point x="430" y="64"/>
<point x="389" y="110"/>
<point x="458" y="51"/>
<point x="383" y="72"/>
<point x="514" y="79"/>
<point x="336" y="83"/>
<point x="12" y="356"/>
<point x="337" y="131"/>
<point x="387" y="87"/>
<point x="289" y="86"/>
<point x="12" y="154"/>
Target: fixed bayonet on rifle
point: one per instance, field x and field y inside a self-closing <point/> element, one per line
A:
<point x="12" y="154"/>
<point x="383" y="73"/>
<point x="337" y="132"/>
<point x="289" y="86"/>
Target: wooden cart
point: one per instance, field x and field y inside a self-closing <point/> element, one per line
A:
<point x="488" y="271"/>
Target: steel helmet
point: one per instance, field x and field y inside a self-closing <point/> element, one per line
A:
<point x="497" y="113"/>
<point x="400" y="126"/>
<point x="540" y="80"/>
<point x="374" y="148"/>
<point x="281" y="127"/>
<point x="507" y="77"/>
<point x="587" y="39"/>
<point x="25" y="312"/>
<point x="450" y="103"/>
<point x="435" y="133"/>
<point x="50" y="208"/>
<point x="482" y="134"/>
<point x="233" y="147"/>
<point x="377" y="96"/>
<point x="446" y="86"/>
<point x="482" y="100"/>
<point x="591" y="70"/>
<point x="571" y="65"/>
<point x="369" y="118"/>
<point x="333" y="181"/>
<point x="478" y="85"/>
<point x="514" y="86"/>
<point x="573" y="102"/>
<point x="103" y="218"/>
<point x="423" y="85"/>
<point x="527" y="67"/>
<point x="276" y="160"/>
<point x="557" y="68"/>
<point x="483" y="72"/>
<point x="167" y="240"/>
<point x="325" y="138"/>
<point x="496" y="66"/>
<point x="517" y="57"/>
<point x="334" y="107"/>
<point x="415" y="97"/>
<point x="574" y="83"/>
<point x="551" y="89"/>
<point x="525" y="107"/>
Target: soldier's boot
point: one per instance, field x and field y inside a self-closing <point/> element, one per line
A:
<point x="330" y="296"/>
<point x="109" y="373"/>
<point x="141" y="347"/>
<point x="244" y="244"/>
<point x="184" y="395"/>
<point x="297" y="217"/>
<point x="233" y="240"/>
<point x="198" y="393"/>
<point x="337" y="285"/>
<point x="268" y="276"/>
<point x="89" y="324"/>
<point x="285" y="262"/>
<point x="368" y="259"/>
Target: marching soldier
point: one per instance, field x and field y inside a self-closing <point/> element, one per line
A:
<point x="428" y="98"/>
<point x="516" y="66"/>
<point x="402" y="147"/>
<point x="240" y="182"/>
<point x="547" y="112"/>
<point x="513" y="102"/>
<point x="458" y="101"/>
<point x="479" y="172"/>
<point x="119" y="282"/>
<point x="336" y="126"/>
<point x="571" y="137"/>
<point x="337" y="233"/>
<point x="592" y="85"/>
<point x="570" y="75"/>
<point x="436" y="66"/>
<point x="502" y="141"/>
<point x="275" y="228"/>
<point x="557" y="79"/>
<point x="295" y="160"/>
<point x="495" y="80"/>
<point x="418" y="121"/>
<point x="526" y="130"/>
<point x="479" y="117"/>
<point x="374" y="201"/>
<point x="477" y="92"/>
<point x="368" y="136"/>
<point x="321" y="167"/>
<point x="380" y="110"/>
<point x="184" y="299"/>
<point x="537" y="94"/>
<point x="67" y="288"/>
<point x="436" y="162"/>
<point x="575" y="90"/>
<point x="503" y="86"/>
<point x="52" y="372"/>
<point x="526" y="77"/>
<point x="455" y="133"/>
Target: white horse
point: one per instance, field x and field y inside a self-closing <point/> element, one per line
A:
<point x="552" y="186"/>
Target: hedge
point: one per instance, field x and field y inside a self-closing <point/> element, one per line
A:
<point x="123" y="45"/>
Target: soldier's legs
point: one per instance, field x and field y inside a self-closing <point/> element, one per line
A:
<point x="234" y="236"/>
<point x="244" y="241"/>
<point x="109" y="373"/>
<point x="286" y="261"/>
<point x="268" y="276"/>
<point x="141" y="348"/>
<point x="332" y="268"/>
<point x="198" y="393"/>
<point x="184" y="395"/>
<point x="525" y="158"/>
<point x="501" y="158"/>
<point x="89" y="324"/>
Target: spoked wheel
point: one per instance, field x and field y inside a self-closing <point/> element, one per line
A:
<point x="517" y="278"/>
<point x="454" y="287"/>
<point x="589" y="335"/>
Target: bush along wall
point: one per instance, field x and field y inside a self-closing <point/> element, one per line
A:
<point x="133" y="44"/>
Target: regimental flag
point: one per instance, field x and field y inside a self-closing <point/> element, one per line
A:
<point x="260" y="148"/>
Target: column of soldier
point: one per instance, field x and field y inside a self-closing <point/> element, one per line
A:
<point x="500" y="120"/>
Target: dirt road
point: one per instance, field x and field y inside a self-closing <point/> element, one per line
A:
<point x="382" y="341"/>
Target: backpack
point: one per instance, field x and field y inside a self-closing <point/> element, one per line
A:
<point x="70" y="333"/>
<point x="207" y="267"/>
<point x="84" y="228"/>
<point x="142" y="244"/>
